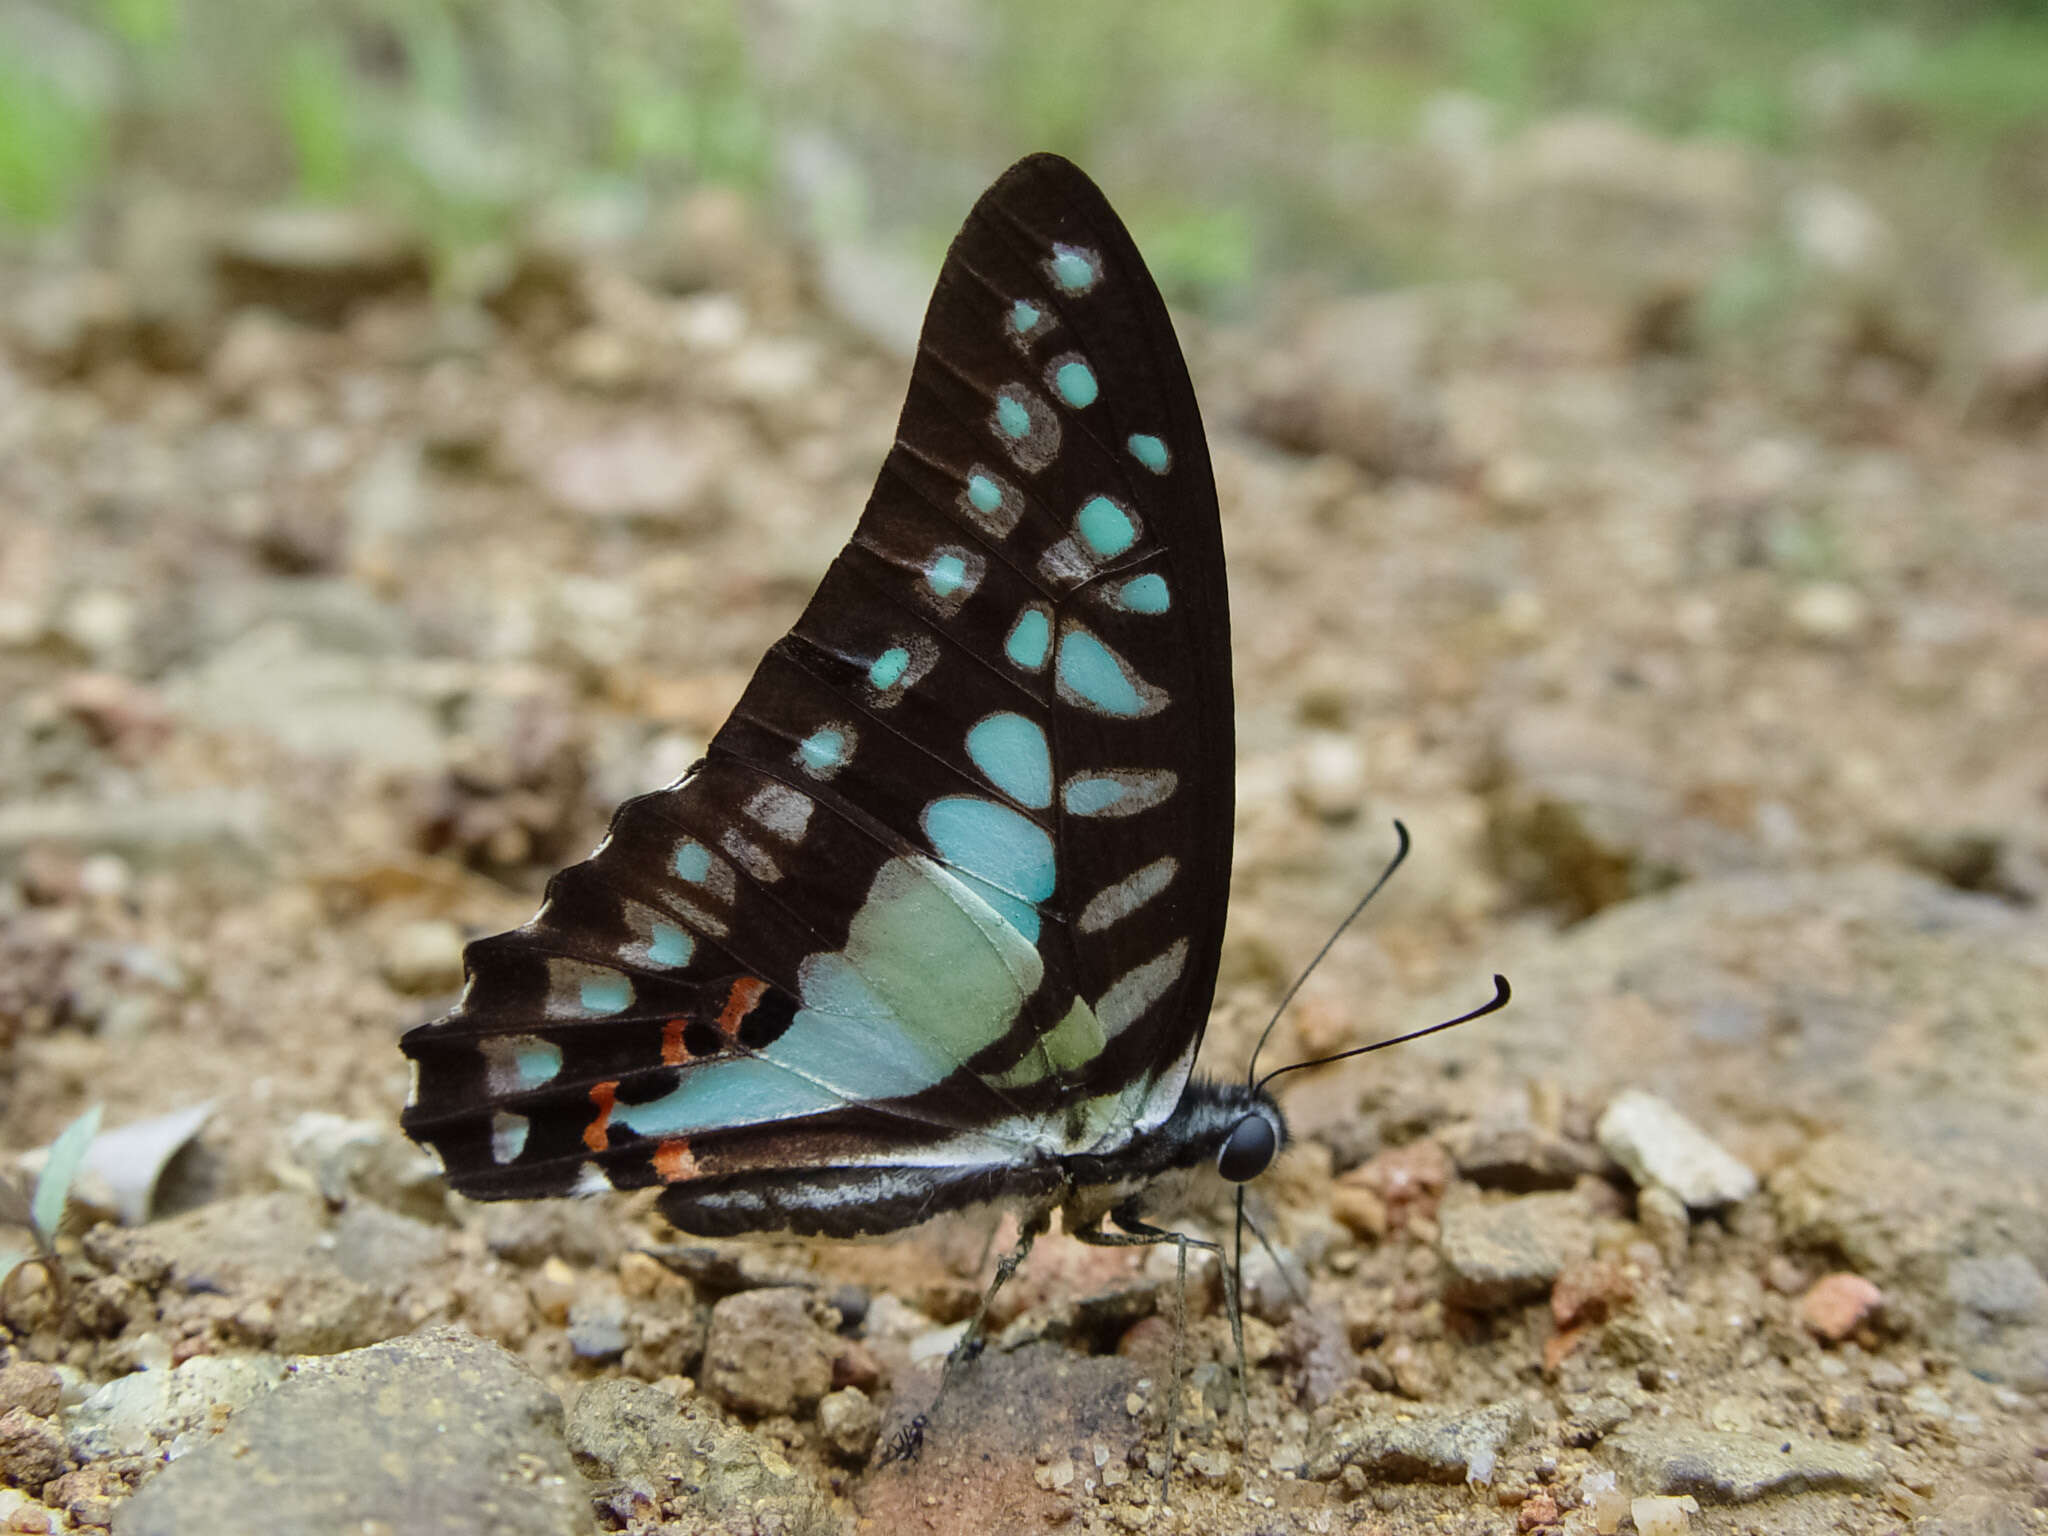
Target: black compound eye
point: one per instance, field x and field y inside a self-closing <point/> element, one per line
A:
<point x="1249" y="1150"/>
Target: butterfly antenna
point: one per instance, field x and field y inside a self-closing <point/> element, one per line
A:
<point x="1400" y="853"/>
<point x="1499" y="1000"/>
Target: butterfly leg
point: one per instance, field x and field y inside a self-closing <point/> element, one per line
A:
<point x="909" y="1440"/>
<point x="1134" y="1232"/>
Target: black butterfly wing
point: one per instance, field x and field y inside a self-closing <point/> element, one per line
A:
<point x="945" y="900"/>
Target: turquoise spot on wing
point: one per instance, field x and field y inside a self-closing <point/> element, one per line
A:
<point x="926" y="980"/>
<point x="1091" y="671"/>
<point x="823" y="750"/>
<point x="729" y="1093"/>
<point x="1076" y="384"/>
<point x="1090" y="797"/>
<point x="1145" y="594"/>
<point x="984" y="493"/>
<point x="1106" y="527"/>
<point x="889" y="667"/>
<point x="1005" y="857"/>
<point x="1148" y="451"/>
<point x="946" y="575"/>
<point x="1011" y="753"/>
<point x="518" y="1063"/>
<point x="692" y="862"/>
<point x="1012" y="417"/>
<point x="1023" y="316"/>
<point x="508" y="1136"/>
<point x="537" y="1063"/>
<point x="669" y="945"/>
<point x="1029" y="639"/>
<point x="604" y="994"/>
<point x="1073" y="268"/>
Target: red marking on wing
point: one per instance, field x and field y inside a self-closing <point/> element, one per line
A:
<point x="673" y="1052"/>
<point x="672" y="1159"/>
<point x="597" y="1134"/>
<point x="740" y="1002"/>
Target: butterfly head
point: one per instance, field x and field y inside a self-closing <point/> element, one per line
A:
<point x="1252" y="1143"/>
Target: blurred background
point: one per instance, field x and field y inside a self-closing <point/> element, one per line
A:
<point x="1365" y="141"/>
<point x="1631" y="425"/>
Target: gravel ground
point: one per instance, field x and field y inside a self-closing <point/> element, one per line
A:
<point x="328" y="629"/>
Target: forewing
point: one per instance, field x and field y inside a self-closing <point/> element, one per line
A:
<point x="948" y="890"/>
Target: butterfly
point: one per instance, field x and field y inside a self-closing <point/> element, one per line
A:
<point x="936" y="921"/>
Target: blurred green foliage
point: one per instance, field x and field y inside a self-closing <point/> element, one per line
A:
<point x="459" y="114"/>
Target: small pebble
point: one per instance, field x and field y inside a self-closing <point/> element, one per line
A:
<point x="1828" y="610"/>
<point x="1359" y="1211"/>
<point x="850" y="1423"/>
<point x="1662" y="1515"/>
<point x="423" y="959"/>
<point x="32" y="1449"/>
<point x="1836" y="1305"/>
<point x="1590" y="1291"/>
<point x="32" y="1385"/>
<point x="1658" y="1145"/>
<point x="766" y="1353"/>
<point x="1663" y="1218"/>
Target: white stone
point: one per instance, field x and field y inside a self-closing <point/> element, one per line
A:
<point x="1658" y="1145"/>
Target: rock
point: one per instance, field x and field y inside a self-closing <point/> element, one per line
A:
<point x="1658" y="1145"/>
<point x="367" y="1158"/>
<point x="766" y="1353"/>
<point x="597" y="1325"/>
<point x="1665" y="1222"/>
<point x="32" y="1385"/>
<point x="1517" y="1157"/>
<point x="698" y="1472"/>
<point x="1580" y="818"/>
<point x="1828" y="611"/>
<point x="1659" y="1515"/>
<point x="1615" y="205"/>
<point x="850" y="1423"/>
<point x="1394" y="1442"/>
<point x="1837" y="231"/>
<point x="530" y="1232"/>
<point x="384" y="1250"/>
<point x="423" y="958"/>
<point x="229" y="826"/>
<point x="145" y="1411"/>
<point x="1318" y="1351"/>
<point x="273" y="682"/>
<point x="1836" y="1305"/>
<point x="2013" y="389"/>
<point x="90" y="1495"/>
<point x="1721" y="1468"/>
<point x="2003" y="1288"/>
<point x="31" y="1448"/>
<point x="1354" y="378"/>
<point x="1330" y="776"/>
<point x="640" y="471"/>
<point x="1359" y="1211"/>
<point x="439" y="1431"/>
<point x="271" y="1258"/>
<point x="1409" y="1181"/>
<point x="1500" y="1252"/>
<point x="1594" y="1418"/>
<point x="1589" y="1291"/>
<point x="315" y="264"/>
<point x="2001" y="1307"/>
